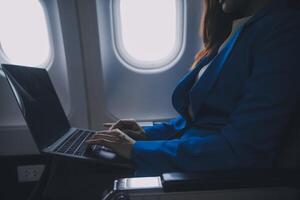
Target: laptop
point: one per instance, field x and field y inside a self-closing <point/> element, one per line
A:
<point x="46" y="119"/>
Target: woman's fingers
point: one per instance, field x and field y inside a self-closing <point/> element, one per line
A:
<point x="111" y="126"/>
<point x="119" y="125"/>
<point x="114" y="132"/>
<point x="103" y="142"/>
<point x="131" y="131"/>
<point x="105" y="136"/>
<point x="124" y="123"/>
<point x="114" y="135"/>
<point x="108" y="125"/>
<point x="115" y="139"/>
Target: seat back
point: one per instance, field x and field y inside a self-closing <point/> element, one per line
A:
<point x="289" y="155"/>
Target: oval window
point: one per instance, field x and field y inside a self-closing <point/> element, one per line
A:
<point x="148" y="33"/>
<point x="24" y="35"/>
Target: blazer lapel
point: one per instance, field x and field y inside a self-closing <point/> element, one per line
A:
<point x="180" y="97"/>
<point x="201" y="89"/>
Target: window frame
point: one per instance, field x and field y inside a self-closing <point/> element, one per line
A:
<point x="50" y="58"/>
<point x="151" y="67"/>
<point x="57" y="66"/>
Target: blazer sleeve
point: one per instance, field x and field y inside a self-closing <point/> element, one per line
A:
<point x="165" y="130"/>
<point x="252" y="136"/>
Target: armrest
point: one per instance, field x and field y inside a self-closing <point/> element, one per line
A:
<point x="177" y="182"/>
<point x="196" y="185"/>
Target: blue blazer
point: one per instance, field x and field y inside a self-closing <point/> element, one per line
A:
<point x="243" y="103"/>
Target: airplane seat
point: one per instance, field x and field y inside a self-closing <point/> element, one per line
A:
<point x="279" y="183"/>
<point x="289" y="154"/>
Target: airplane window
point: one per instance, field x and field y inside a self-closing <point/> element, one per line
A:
<point x="24" y="36"/>
<point x="148" y="33"/>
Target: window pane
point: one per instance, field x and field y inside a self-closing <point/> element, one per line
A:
<point x="24" y="34"/>
<point x="148" y="30"/>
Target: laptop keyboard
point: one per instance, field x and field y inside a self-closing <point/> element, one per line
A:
<point x="75" y="143"/>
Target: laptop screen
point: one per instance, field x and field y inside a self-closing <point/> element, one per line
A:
<point x="38" y="103"/>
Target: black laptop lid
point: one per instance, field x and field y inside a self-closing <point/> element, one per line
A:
<point x="38" y="103"/>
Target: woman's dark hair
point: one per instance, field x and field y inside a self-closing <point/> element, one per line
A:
<point x="215" y="28"/>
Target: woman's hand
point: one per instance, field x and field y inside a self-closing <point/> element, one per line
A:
<point x="130" y="127"/>
<point x="114" y="139"/>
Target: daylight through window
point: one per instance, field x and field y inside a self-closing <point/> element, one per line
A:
<point x="24" y="35"/>
<point x="148" y="33"/>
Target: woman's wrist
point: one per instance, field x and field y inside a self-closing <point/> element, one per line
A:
<point x="131" y="150"/>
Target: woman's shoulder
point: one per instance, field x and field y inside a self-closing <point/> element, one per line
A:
<point x="274" y="25"/>
<point x="283" y="16"/>
<point x="281" y="13"/>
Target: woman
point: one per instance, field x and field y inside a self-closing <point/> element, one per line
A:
<point x="237" y="101"/>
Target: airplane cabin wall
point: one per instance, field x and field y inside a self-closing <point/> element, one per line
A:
<point x="83" y="60"/>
